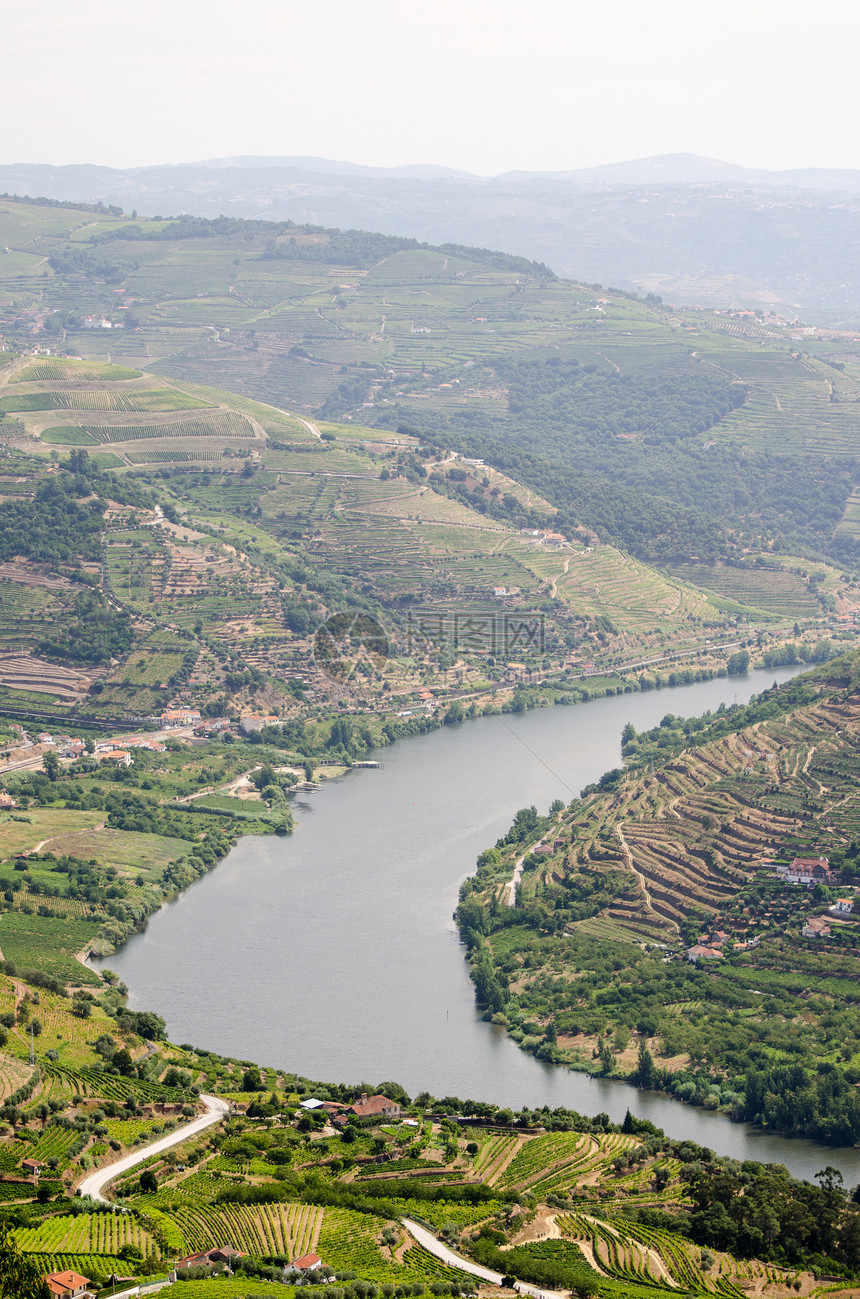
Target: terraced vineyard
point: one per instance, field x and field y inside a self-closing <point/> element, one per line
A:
<point x="350" y="1240"/>
<point x="66" y="370"/>
<point x="218" y="424"/>
<point x="87" y="1233"/>
<point x="775" y="591"/>
<point x="559" y="1161"/>
<point x="645" y="1256"/>
<point x="130" y="399"/>
<point x="292" y="1229"/>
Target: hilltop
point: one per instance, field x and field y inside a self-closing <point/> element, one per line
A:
<point x="696" y="230"/>
<point x="630" y="419"/>
<point x="286" y="425"/>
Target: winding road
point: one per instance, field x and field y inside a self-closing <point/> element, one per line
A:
<point x="95" y="1183"/>
<point x="435" y="1247"/>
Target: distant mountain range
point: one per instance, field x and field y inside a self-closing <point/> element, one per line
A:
<point x="690" y="228"/>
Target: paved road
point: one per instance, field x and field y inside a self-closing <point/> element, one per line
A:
<point x="430" y="1243"/>
<point x="94" y="1184"/>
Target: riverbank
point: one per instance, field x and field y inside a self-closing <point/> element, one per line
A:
<point x="653" y="934"/>
<point x="361" y="896"/>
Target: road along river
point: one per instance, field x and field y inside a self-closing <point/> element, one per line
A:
<point x="333" y="953"/>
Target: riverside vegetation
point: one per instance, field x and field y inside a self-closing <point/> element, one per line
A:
<point x="166" y="543"/>
<point x="592" y="966"/>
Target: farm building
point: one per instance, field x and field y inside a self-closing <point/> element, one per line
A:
<point x="209" y="1257"/>
<point x="118" y="757"/>
<point x="817" y="927"/>
<point x="699" y="953"/>
<point x="843" y="906"/>
<point x="805" y="870"/>
<point x="68" y="1285"/>
<point x="374" y="1107"/>
<point x="307" y="1263"/>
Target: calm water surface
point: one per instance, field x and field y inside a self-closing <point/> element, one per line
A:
<point x="333" y="953"/>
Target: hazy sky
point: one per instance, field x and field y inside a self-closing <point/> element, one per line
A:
<point x="484" y="85"/>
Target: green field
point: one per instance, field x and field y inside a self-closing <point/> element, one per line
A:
<point x="48" y="944"/>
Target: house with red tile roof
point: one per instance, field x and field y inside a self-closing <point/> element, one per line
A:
<point x="68" y="1285"/>
<point x="805" y="870"/>
<point x="699" y="953"/>
<point x="207" y="1257"/>
<point x="374" y="1107"/>
<point x="307" y="1262"/>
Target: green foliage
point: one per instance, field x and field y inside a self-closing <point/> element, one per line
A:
<point x="19" y="1277"/>
<point x="96" y="633"/>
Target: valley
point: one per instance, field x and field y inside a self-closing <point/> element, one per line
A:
<point x="276" y="497"/>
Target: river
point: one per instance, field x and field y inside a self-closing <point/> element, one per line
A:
<point x="333" y="953"/>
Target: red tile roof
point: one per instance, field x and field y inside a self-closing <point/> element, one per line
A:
<point x="368" y="1106"/>
<point x="307" y="1261"/>
<point x="61" y="1283"/>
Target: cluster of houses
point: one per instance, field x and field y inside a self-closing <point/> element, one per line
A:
<point x="64" y="744"/>
<point x="102" y="322"/>
<point x="805" y="871"/>
<point x="123" y="757"/>
<point x="72" y="1285"/>
<point x="709" y="949"/>
<point x="556" y="539"/>
<point x="174" y="718"/>
<point x="368" y="1108"/>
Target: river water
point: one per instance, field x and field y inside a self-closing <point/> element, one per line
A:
<point x="333" y="953"/>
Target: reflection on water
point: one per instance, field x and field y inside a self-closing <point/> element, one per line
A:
<point x="333" y="953"/>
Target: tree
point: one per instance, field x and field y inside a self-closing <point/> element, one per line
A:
<point x="123" y="1062"/>
<point x="738" y="663"/>
<point x="148" y="1182"/>
<point x="646" y="1073"/>
<point x="51" y="765"/>
<point x="19" y="1277"/>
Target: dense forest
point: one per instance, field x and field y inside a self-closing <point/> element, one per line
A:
<point x="627" y="455"/>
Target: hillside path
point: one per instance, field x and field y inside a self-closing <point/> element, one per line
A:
<point x="95" y="1183"/>
<point x="435" y="1247"/>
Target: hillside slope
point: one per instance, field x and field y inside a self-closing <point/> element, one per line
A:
<point x="594" y="963"/>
